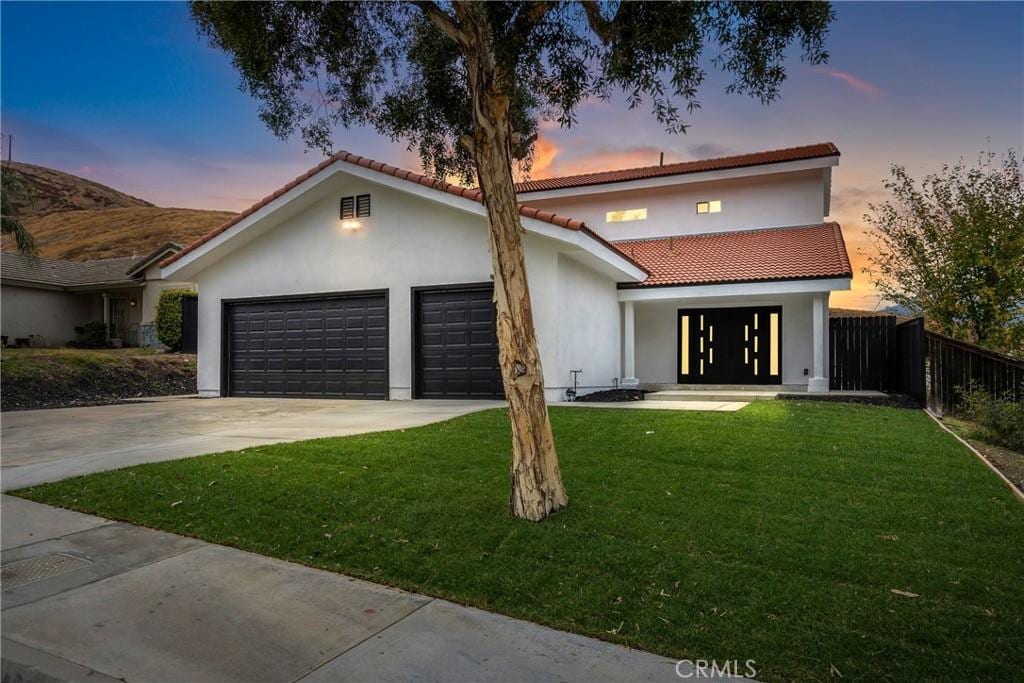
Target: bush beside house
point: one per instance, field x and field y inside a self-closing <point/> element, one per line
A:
<point x="168" y="317"/>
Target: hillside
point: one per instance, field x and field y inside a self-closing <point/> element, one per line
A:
<point x="49" y="190"/>
<point x="108" y="233"/>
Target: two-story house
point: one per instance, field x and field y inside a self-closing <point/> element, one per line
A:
<point x="362" y="280"/>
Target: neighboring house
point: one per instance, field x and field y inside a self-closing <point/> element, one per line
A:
<point x="44" y="300"/>
<point x="359" y="279"/>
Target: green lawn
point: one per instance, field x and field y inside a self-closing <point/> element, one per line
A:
<point x="776" y="533"/>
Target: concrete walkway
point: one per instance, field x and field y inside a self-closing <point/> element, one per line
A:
<point x="49" y="445"/>
<point x="86" y="598"/>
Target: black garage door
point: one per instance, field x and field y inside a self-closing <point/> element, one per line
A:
<point x="332" y="346"/>
<point x="456" y="354"/>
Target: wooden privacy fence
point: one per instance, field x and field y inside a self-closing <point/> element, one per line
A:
<point x="875" y="353"/>
<point x="861" y="351"/>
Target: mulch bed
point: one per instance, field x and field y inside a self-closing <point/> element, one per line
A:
<point x="613" y="396"/>
<point x="888" y="400"/>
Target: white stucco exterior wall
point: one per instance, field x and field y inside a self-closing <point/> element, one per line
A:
<point x="768" y="201"/>
<point x="657" y="339"/>
<point x="589" y="330"/>
<point x="408" y="242"/>
<point x="51" y="314"/>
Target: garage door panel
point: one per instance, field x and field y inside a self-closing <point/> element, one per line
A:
<point x="456" y="352"/>
<point x="335" y="346"/>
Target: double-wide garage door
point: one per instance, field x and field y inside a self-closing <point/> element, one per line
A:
<point x="333" y="346"/>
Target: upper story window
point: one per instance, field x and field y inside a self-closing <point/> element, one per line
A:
<point x="626" y="215"/>
<point x="714" y="206"/>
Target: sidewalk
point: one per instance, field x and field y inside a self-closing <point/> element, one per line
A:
<point x="87" y="598"/>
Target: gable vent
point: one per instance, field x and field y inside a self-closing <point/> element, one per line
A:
<point x="355" y="207"/>
<point x="348" y="207"/>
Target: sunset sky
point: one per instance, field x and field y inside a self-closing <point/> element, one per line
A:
<point x="128" y="95"/>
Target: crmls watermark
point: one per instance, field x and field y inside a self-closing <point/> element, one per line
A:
<point x="712" y="668"/>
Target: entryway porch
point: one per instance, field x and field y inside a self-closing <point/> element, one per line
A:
<point x="761" y="339"/>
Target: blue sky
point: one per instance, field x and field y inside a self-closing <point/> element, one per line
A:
<point x="127" y="94"/>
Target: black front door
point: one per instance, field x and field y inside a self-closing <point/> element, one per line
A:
<point x="730" y="345"/>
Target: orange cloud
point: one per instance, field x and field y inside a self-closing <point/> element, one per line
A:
<point x="858" y="84"/>
<point x="550" y="160"/>
<point x="544" y="152"/>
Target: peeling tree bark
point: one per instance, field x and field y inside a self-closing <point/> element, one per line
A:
<point x="537" y="488"/>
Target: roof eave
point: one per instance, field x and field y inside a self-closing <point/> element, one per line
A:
<point x="687" y="178"/>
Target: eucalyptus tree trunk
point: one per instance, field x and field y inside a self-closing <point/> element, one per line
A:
<point x="537" y="488"/>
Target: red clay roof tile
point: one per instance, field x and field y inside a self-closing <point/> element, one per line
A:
<point x="824" y="149"/>
<point x="815" y="251"/>
<point x="412" y="176"/>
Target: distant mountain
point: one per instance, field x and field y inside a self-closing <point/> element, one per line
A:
<point x="899" y="310"/>
<point x="77" y="219"/>
<point x="108" y="233"/>
<point x="49" y="190"/>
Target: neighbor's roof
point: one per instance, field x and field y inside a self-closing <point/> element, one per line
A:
<point x="57" y="273"/>
<point x="403" y="174"/>
<point x="823" y="149"/>
<point x="815" y="251"/>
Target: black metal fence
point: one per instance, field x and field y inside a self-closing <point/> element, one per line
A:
<point x="877" y="353"/>
<point x="953" y="365"/>
<point x="189" y="324"/>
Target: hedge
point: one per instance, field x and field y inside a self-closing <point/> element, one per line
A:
<point x="168" y="317"/>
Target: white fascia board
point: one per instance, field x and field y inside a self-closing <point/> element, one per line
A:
<point x="809" y="286"/>
<point x="616" y="265"/>
<point x="683" y="179"/>
<point x="574" y="238"/>
<point x="827" y="208"/>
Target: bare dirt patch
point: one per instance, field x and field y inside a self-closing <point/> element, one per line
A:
<point x="61" y="378"/>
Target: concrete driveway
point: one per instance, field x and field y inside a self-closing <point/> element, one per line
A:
<point x="49" y="445"/>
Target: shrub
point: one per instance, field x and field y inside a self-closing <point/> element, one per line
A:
<point x="1000" y="419"/>
<point x="168" y="317"/>
<point x="92" y="335"/>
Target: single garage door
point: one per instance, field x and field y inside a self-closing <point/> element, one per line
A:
<point x="333" y="346"/>
<point x="456" y="352"/>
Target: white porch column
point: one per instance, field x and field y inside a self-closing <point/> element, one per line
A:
<point x="106" y="315"/>
<point x="628" y="346"/>
<point x="818" y="381"/>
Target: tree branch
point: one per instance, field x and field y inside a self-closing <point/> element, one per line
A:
<point x="444" y="21"/>
<point x="605" y="29"/>
<point x="530" y="16"/>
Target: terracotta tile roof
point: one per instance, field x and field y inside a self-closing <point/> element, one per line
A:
<point x="824" y="149"/>
<point x="413" y="177"/>
<point x="815" y="251"/>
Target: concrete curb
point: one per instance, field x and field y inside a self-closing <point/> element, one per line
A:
<point x="24" y="664"/>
